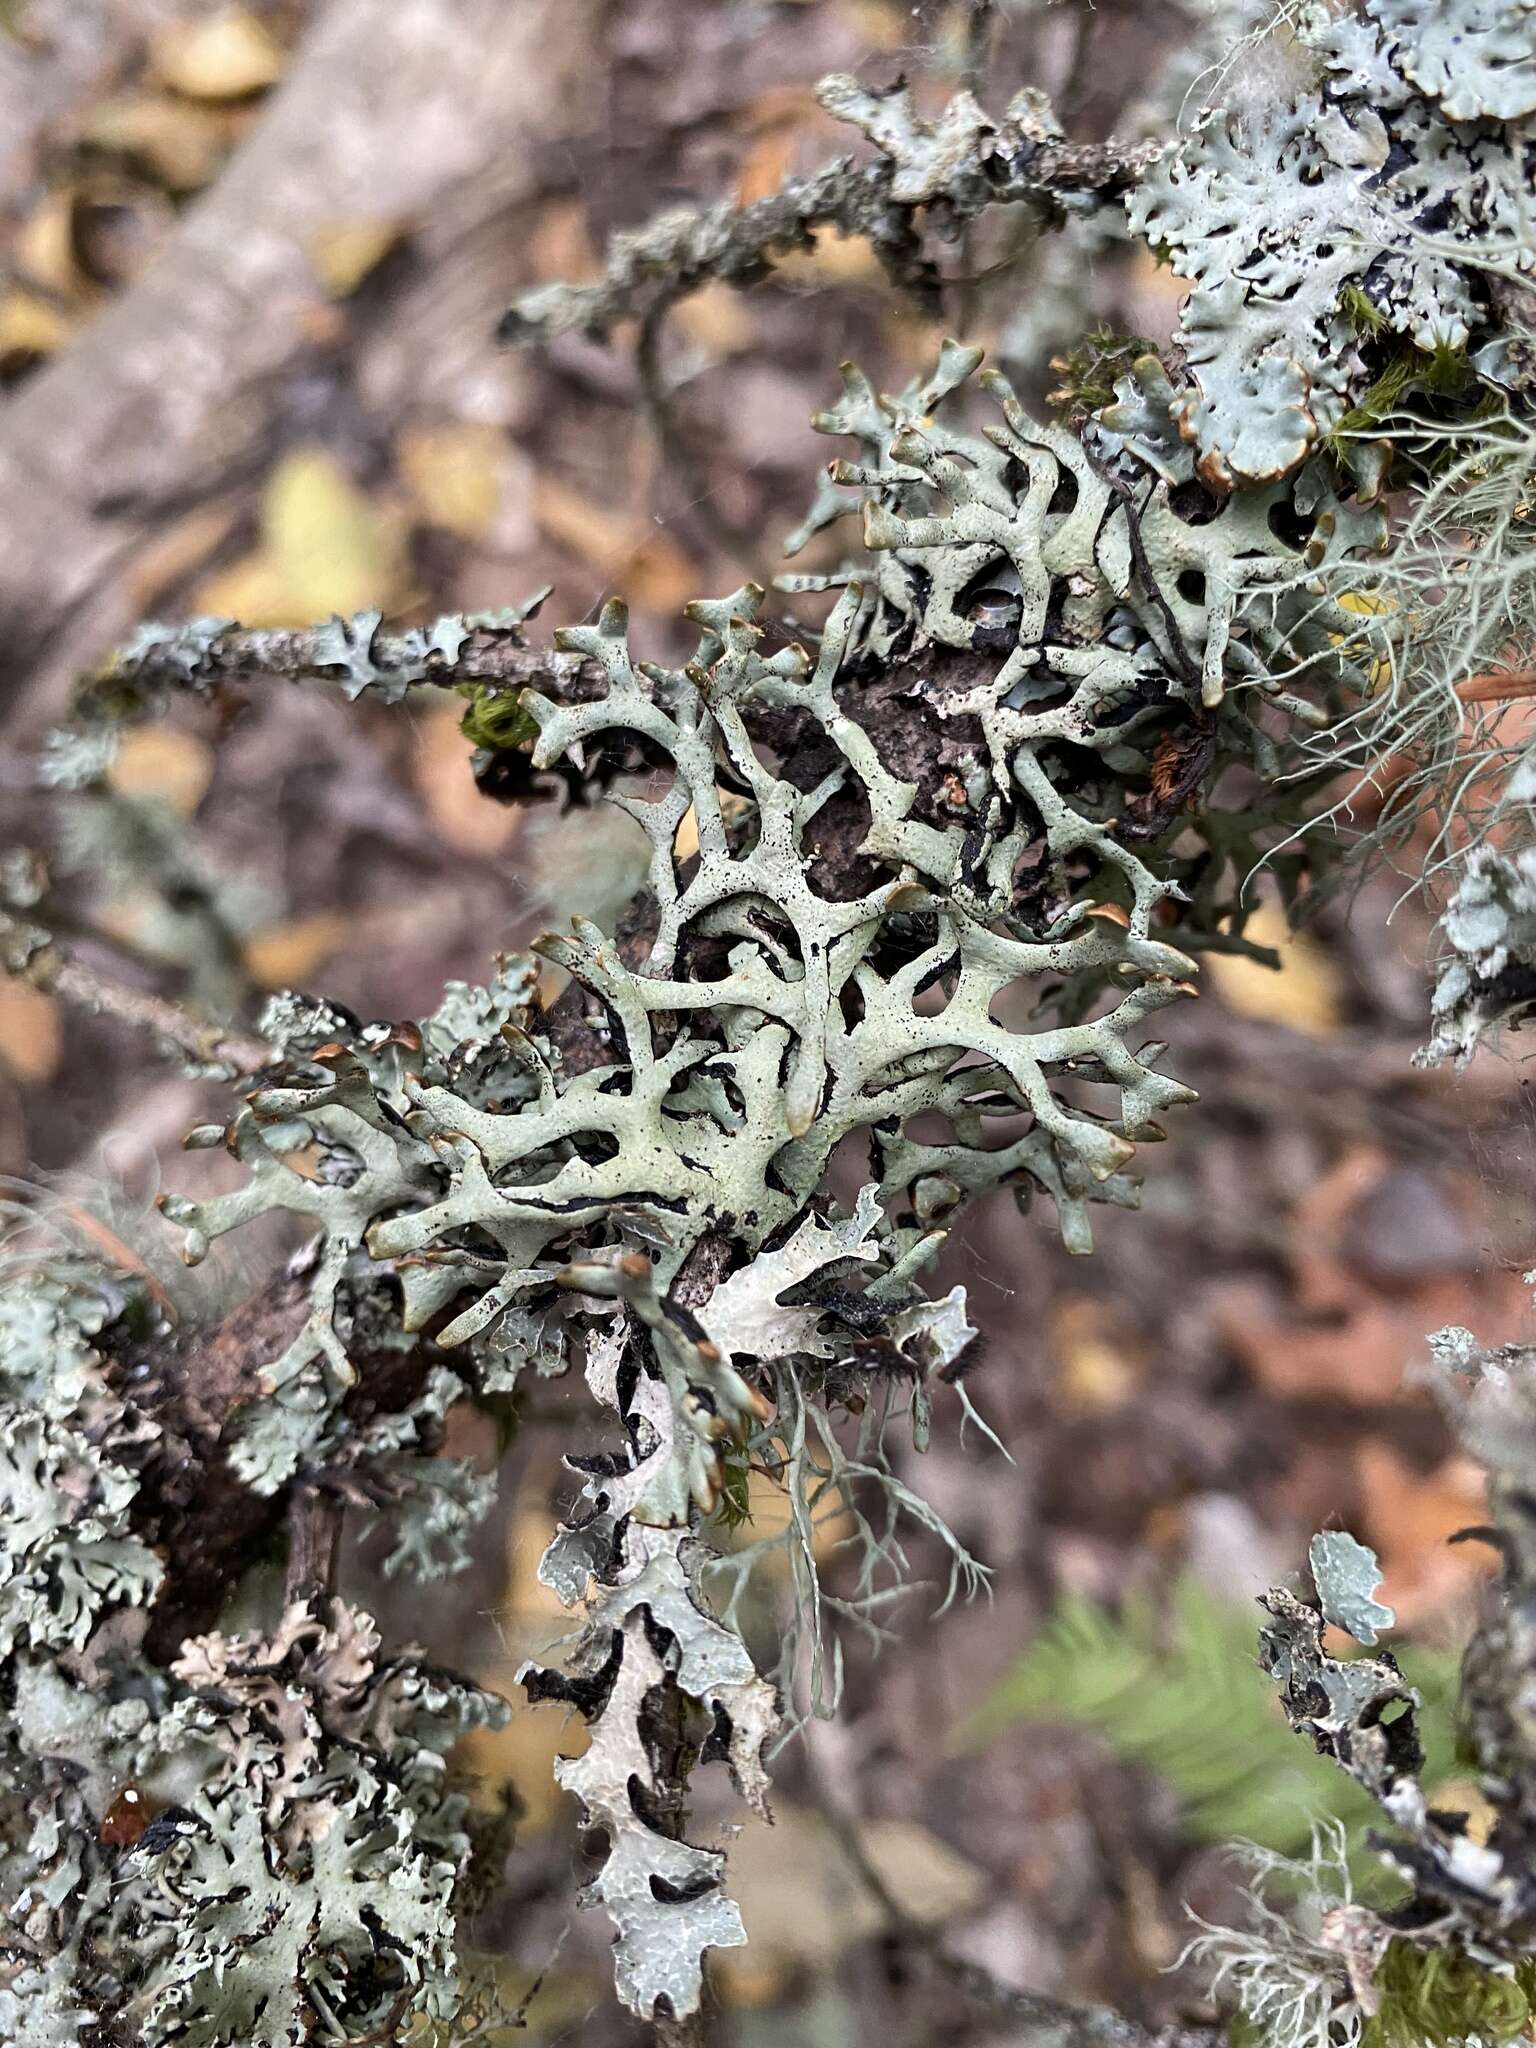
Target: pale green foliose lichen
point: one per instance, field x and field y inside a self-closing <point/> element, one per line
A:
<point x="1380" y="196"/>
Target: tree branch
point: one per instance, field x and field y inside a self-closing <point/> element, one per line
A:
<point x="353" y="652"/>
<point x="956" y="168"/>
<point x="29" y="954"/>
<point x="1498" y="686"/>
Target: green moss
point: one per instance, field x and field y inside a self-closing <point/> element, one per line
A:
<point x="1090" y="371"/>
<point x="1442" y="372"/>
<point x="734" y="1509"/>
<point x="1361" y="311"/>
<point x="1438" y="1998"/>
<point x="496" y="718"/>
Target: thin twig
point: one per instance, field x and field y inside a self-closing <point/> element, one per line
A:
<point x="1499" y="686"/>
<point x="314" y="1546"/>
<point x="201" y="1039"/>
<point x="677" y="453"/>
<point x="1068" y="2025"/>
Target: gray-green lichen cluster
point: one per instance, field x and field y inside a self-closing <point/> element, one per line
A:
<point x="1489" y="979"/>
<point x="916" y="890"/>
<point x="851" y="949"/>
<point x="1374" y="204"/>
<point x="261" y="1838"/>
<point x="1471" y="1920"/>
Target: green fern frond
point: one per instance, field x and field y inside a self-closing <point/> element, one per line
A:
<point x="1181" y="1692"/>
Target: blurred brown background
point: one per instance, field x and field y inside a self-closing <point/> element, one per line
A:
<point x="251" y="263"/>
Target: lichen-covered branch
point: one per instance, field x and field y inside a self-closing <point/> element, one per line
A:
<point x="354" y="654"/>
<point x="948" y="171"/>
<point x="211" y="1047"/>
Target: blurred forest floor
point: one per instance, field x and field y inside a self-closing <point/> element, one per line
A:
<point x="251" y="264"/>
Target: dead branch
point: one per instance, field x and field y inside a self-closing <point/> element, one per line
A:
<point x="203" y="1040"/>
<point x="947" y="172"/>
<point x="1498" y="686"/>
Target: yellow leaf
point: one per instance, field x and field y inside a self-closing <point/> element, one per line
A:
<point x="716" y="319"/>
<point x="31" y="1036"/>
<point x="289" y="953"/>
<point x="804" y="1905"/>
<point x="180" y="144"/>
<point x="522" y="1754"/>
<point x="43" y="251"/>
<point x="560" y="246"/>
<point x="686" y="844"/>
<point x="766" y="164"/>
<point x="605" y="539"/>
<point x="659" y="577"/>
<point x="882" y="24"/>
<point x="1304" y="993"/>
<point x="251" y="590"/>
<point x="226" y="56"/>
<point x="344" y="253"/>
<point x="176" y="552"/>
<point x="1094" y="1373"/>
<point x="333" y="550"/>
<point x="160" y="761"/>
<point x="836" y="259"/>
<point x="455" y="474"/>
<point x="29" y="326"/>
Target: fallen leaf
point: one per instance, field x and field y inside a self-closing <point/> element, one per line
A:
<point x="43" y="250"/>
<point x="522" y="1754"/>
<point x="652" y="569"/>
<point x="804" y="1905"/>
<point x="455" y="474"/>
<point x="1342" y="1336"/>
<point x="174" y="554"/>
<point x="717" y="319"/>
<point x="560" y="244"/>
<point x="766" y="164"/>
<point x="344" y="253"/>
<point x="159" y="761"/>
<point x="837" y="259"/>
<point x="768" y="1515"/>
<point x="31" y="1034"/>
<point x="659" y="577"/>
<point x="1410" y="1517"/>
<point x="521" y="1757"/>
<point x="179" y="143"/>
<point x="251" y="590"/>
<point x="286" y="955"/>
<point x="228" y="55"/>
<point x="1093" y="1371"/>
<point x="442" y="773"/>
<point x="1304" y="993"/>
<point x="880" y="24"/>
<point x="29" y="326"/>
<point x="327" y="547"/>
<point x="332" y="548"/>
